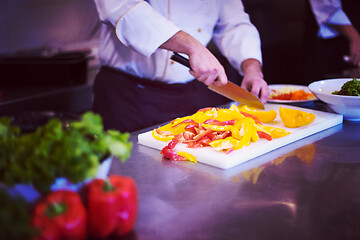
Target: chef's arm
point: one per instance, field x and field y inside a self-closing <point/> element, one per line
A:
<point x="353" y="37"/>
<point x="253" y="79"/>
<point x="333" y="21"/>
<point x="204" y="65"/>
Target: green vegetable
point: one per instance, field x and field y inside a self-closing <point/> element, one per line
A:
<point x="54" y="151"/>
<point x="350" y="88"/>
<point x="14" y="218"/>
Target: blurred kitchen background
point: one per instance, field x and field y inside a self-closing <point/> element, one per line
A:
<point x="48" y="50"/>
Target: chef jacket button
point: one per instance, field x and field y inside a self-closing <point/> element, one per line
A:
<point x="199" y="30"/>
<point x="172" y="62"/>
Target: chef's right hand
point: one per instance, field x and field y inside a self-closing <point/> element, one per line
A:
<point x="206" y="68"/>
<point x="204" y="65"/>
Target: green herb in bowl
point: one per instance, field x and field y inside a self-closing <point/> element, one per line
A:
<point x="350" y="88"/>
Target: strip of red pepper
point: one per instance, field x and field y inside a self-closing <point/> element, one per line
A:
<point x="112" y="206"/>
<point x="256" y="119"/>
<point x="61" y="215"/>
<point x="219" y="123"/>
<point x="188" y="121"/>
<point x="168" y="152"/>
<point x="262" y="134"/>
<point x="207" y="109"/>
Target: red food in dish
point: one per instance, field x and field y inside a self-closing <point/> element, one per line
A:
<point x="293" y="95"/>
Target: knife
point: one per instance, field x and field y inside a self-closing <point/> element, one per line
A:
<point x="229" y="90"/>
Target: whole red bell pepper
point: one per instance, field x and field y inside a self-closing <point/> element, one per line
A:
<point x="60" y="215"/>
<point x="112" y="206"/>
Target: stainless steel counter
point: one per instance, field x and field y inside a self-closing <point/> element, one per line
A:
<point x="309" y="189"/>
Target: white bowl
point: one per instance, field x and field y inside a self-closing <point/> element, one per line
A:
<point x="348" y="106"/>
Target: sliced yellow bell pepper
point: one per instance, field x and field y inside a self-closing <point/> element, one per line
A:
<point x="165" y="128"/>
<point x="160" y="137"/>
<point x="254" y="136"/>
<point x="275" y="132"/>
<point x="263" y="116"/>
<point x="187" y="155"/>
<point x="218" y="128"/>
<point x="294" y="118"/>
<point x="235" y="130"/>
<point x="231" y="113"/>
<point x="246" y="136"/>
<point x="227" y="143"/>
<point x="262" y="128"/>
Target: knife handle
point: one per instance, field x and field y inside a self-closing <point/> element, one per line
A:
<point x="180" y="59"/>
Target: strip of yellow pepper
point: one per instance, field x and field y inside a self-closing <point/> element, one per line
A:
<point x="187" y="155"/>
<point x="263" y="116"/>
<point x="248" y="132"/>
<point x="160" y="137"/>
<point x="274" y="131"/>
<point x="227" y="143"/>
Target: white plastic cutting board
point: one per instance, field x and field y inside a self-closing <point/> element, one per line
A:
<point x="222" y="160"/>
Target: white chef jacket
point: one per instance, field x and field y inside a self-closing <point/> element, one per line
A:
<point x="328" y="12"/>
<point x="133" y="30"/>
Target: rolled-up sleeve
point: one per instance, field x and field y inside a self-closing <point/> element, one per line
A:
<point x="328" y="13"/>
<point x="236" y="37"/>
<point x="136" y="24"/>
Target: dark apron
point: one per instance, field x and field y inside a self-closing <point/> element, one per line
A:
<point x="128" y="103"/>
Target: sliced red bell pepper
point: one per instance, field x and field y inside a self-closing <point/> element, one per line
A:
<point x="170" y="154"/>
<point x="204" y="141"/>
<point x="194" y="145"/>
<point x="219" y="123"/>
<point x="229" y="150"/>
<point x="173" y="142"/>
<point x="256" y="119"/>
<point x="187" y="121"/>
<point x="203" y="133"/>
<point x="165" y="133"/>
<point x="206" y="109"/>
<point x="262" y="134"/>
<point x="191" y="128"/>
<point x="61" y="215"/>
<point x="112" y="206"/>
<point x="188" y="135"/>
<point x="222" y="135"/>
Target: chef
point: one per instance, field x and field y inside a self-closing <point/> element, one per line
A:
<point x="139" y="85"/>
<point x="335" y="47"/>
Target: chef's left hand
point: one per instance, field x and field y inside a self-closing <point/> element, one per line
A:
<point x="355" y="52"/>
<point x="253" y="80"/>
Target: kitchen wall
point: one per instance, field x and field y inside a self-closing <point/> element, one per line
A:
<point x="58" y="24"/>
<point x="34" y="23"/>
<point x="282" y="27"/>
<point x="281" y="24"/>
<point x="72" y="24"/>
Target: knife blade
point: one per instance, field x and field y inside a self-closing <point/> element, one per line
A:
<point x="229" y="90"/>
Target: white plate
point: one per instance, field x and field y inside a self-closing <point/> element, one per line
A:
<point x="293" y="87"/>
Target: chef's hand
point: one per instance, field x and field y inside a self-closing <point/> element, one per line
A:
<point x="253" y="80"/>
<point x="206" y="68"/>
<point x="353" y="38"/>
<point x="204" y="65"/>
<point x="355" y="52"/>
